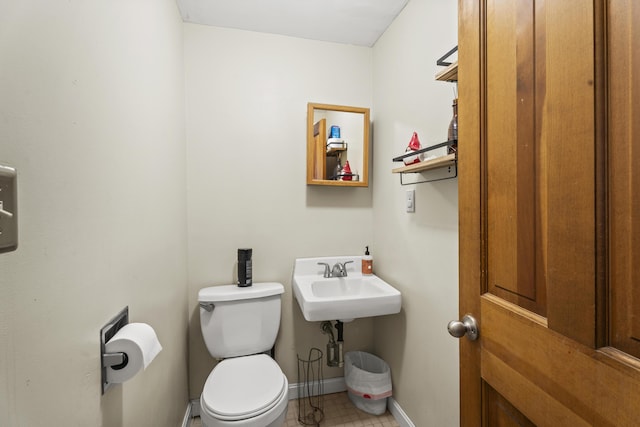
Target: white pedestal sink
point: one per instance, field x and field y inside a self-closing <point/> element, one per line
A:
<point x="341" y="298"/>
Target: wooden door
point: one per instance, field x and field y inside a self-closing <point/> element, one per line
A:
<point x="549" y="182"/>
<point x="319" y="148"/>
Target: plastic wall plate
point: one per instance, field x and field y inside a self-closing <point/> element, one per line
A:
<point x="8" y="209"/>
<point x="106" y="333"/>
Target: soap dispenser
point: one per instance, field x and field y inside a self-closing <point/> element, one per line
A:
<point x="367" y="263"/>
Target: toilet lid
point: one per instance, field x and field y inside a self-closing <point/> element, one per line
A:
<point x="243" y="387"/>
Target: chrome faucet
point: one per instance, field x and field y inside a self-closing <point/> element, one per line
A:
<point x="338" y="270"/>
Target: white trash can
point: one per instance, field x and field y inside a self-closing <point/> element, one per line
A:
<point x="368" y="381"/>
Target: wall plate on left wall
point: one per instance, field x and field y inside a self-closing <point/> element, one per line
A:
<point x="8" y="209"/>
<point x="106" y="333"/>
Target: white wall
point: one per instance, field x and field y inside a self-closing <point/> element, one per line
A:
<point x="246" y="100"/>
<point x="92" y="116"/>
<point x="417" y="252"/>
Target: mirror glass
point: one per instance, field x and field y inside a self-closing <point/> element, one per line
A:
<point x="337" y="145"/>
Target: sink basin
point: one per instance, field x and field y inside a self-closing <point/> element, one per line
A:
<point x="341" y="298"/>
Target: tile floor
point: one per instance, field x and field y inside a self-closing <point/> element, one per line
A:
<point x="338" y="412"/>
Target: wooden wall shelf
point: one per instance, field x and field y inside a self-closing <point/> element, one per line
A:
<point x="449" y="74"/>
<point x="437" y="163"/>
<point x="449" y="161"/>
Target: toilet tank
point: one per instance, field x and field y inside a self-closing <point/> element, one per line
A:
<point x="243" y="320"/>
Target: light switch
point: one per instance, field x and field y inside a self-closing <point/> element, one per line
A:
<point x="411" y="200"/>
<point x="8" y="209"/>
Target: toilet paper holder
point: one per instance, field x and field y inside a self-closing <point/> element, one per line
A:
<point x="114" y="360"/>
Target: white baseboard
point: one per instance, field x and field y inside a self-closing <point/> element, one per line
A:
<point x="330" y="385"/>
<point x="187" y="416"/>
<point x="397" y="412"/>
<point x="195" y="408"/>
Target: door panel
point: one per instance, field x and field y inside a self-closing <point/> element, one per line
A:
<point x="568" y="140"/>
<point x="537" y="83"/>
<point x="500" y="413"/>
<point x="513" y="211"/>
<point x="554" y="380"/>
<point x="624" y="73"/>
<point x="549" y="196"/>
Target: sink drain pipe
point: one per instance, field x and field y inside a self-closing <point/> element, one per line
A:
<point x="339" y="353"/>
<point x="335" y="356"/>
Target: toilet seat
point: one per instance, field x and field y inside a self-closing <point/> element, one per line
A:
<point x="243" y="387"/>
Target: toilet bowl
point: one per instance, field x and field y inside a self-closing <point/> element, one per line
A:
<point x="248" y="391"/>
<point x="247" y="388"/>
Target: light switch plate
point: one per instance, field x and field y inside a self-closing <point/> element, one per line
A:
<point x="410" y="201"/>
<point x="8" y="209"/>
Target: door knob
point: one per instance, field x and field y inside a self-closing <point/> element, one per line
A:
<point x="468" y="326"/>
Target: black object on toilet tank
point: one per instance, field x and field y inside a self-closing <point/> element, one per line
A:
<point x="244" y="267"/>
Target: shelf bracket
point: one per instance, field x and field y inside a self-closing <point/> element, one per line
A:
<point x="424" y="150"/>
<point x="441" y="61"/>
<point x="451" y="168"/>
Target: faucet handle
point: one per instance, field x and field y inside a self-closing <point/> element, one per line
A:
<point x="327" y="271"/>
<point x="344" y="267"/>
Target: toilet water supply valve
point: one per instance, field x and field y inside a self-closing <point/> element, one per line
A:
<point x="335" y="356"/>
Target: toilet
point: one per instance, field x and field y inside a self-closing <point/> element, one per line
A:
<point x="247" y="388"/>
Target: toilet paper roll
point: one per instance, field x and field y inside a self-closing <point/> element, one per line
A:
<point x="140" y="343"/>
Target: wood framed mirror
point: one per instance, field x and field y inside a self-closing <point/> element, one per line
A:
<point x="337" y="134"/>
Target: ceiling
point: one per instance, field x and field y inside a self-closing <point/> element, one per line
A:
<point x="356" y="22"/>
